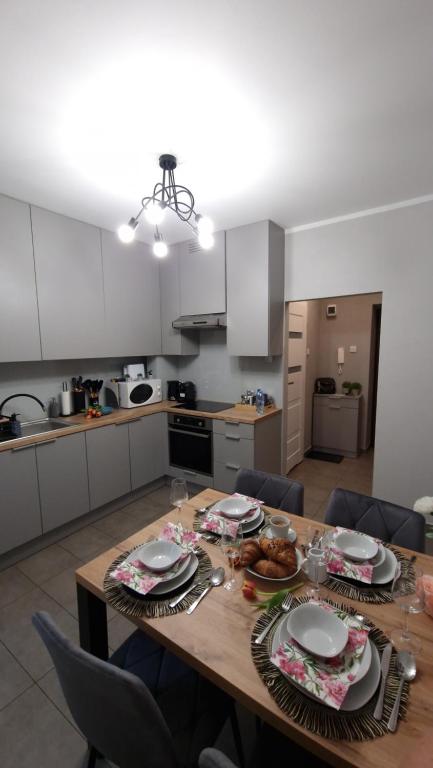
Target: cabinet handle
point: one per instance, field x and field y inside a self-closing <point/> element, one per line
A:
<point x="290" y="382"/>
<point x="194" y="434"/>
<point x="23" y="448"/>
<point x="335" y="407"/>
<point x="233" y="466"/>
<point x="188" y="472"/>
<point x="47" y="442"/>
<point x="232" y="423"/>
<point x="233" y="437"/>
<point x="130" y="421"/>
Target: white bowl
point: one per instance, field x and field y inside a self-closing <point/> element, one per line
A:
<point x="159" y="555"/>
<point x="234" y="508"/>
<point x="357" y="546"/>
<point x="318" y="631"/>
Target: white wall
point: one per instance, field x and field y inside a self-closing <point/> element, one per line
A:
<point x="390" y="252"/>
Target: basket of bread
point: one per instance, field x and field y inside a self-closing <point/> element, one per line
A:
<point x="271" y="559"/>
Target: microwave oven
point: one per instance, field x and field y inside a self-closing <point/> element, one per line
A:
<point x="135" y="392"/>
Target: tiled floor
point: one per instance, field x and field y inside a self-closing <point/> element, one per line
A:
<point x="320" y="477"/>
<point x="36" y="728"/>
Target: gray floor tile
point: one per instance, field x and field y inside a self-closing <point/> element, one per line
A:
<point x="47" y="563"/>
<point x="22" y="640"/>
<point x="87" y="543"/>
<point x="14" y="680"/>
<point x="118" y="525"/>
<point x="63" y="589"/>
<point x="119" y="629"/>
<point x="13" y="584"/>
<point x="34" y="733"/>
<point x="51" y="687"/>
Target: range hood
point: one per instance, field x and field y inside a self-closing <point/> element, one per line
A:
<point x="200" y="322"/>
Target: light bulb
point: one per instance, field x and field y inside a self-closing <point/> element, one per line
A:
<point x="126" y="232"/>
<point x="160" y="248"/>
<point x="204" y="224"/>
<point x="154" y="213"/>
<point x="206" y="240"/>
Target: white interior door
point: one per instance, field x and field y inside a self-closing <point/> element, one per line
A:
<point x="295" y="403"/>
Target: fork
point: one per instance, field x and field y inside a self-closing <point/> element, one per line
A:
<point x="285" y="608"/>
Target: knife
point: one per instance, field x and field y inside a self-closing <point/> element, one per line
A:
<point x="384" y="668"/>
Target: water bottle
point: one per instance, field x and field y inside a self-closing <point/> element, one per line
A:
<point x="260" y="402"/>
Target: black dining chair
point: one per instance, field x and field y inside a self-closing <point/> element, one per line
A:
<point x="158" y="713"/>
<point x="385" y="521"/>
<point x="274" y="490"/>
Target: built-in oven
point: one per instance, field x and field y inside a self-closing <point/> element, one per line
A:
<point x="190" y="443"/>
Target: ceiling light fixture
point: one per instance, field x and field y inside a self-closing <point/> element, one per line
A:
<point x="169" y="195"/>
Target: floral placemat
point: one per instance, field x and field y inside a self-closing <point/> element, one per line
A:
<point x="373" y="593"/>
<point x="127" y="602"/>
<point x="359" y="725"/>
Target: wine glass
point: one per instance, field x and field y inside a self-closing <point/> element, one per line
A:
<point x="313" y="536"/>
<point x="178" y="493"/>
<point x="231" y="539"/>
<point x="410" y="599"/>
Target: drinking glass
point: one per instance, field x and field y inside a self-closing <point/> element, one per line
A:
<point x="409" y="600"/>
<point x="231" y="540"/>
<point x="313" y="536"/>
<point x="178" y="493"/>
<point x="313" y="567"/>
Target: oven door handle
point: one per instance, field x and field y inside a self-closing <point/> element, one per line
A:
<point x="193" y="434"/>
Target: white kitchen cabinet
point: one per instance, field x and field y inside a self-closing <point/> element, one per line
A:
<point x="108" y="463"/>
<point x="63" y="483"/>
<point x="202" y="276"/>
<point x="19" y="339"/>
<point x="174" y="341"/>
<point x="336" y="424"/>
<point x="147" y="440"/>
<point x="132" y="300"/>
<point x="255" y="289"/>
<point x="69" y="281"/>
<point x="20" y="515"/>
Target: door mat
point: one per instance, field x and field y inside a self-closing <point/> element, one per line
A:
<point x="322" y="456"/>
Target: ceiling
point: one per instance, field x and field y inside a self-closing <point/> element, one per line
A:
<point x="294" y="110"/>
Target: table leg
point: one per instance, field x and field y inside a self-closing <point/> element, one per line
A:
<point x="92" y="620"/>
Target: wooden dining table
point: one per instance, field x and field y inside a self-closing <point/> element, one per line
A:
<point x="215" y="640"/>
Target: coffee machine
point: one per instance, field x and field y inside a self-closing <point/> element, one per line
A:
<point x="181" y="391"/>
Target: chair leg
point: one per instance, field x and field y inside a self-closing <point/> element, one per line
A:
<point x="237" y="735"/>
<point x="93" y="756"/>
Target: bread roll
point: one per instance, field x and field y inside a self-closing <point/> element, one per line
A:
<point x="271" y="569"/>
<point x="280" y="551"/>
<point x="250" y="553"/>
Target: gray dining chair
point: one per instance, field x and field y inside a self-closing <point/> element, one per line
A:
<point x="386" y="521"/>
<point x="162" y="724"/>
<point x="274" y="490"/>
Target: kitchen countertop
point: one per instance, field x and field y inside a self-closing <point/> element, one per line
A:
<point x="244" y="414"/>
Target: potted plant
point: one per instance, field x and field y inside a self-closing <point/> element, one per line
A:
<point x="346" y="385"/>
<point x="355" y="388"/>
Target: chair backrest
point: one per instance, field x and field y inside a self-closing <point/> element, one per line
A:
<point x="114" y="709"/>
<point x="275" y="490"/>
<point x="381" y="519"/>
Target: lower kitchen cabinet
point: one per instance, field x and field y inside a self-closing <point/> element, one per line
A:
<point x="336" y="424"/>
<point x="147" y="446"/>
<point x="20" y="514"/>
<point x="63" y="484"/>
<point x="108" y="463"/>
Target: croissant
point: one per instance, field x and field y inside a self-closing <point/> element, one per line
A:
<point x="250" y="553"/>
<point x="280" y="551"/>
<point x="271" y="569"/>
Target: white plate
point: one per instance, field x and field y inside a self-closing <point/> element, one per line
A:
<point x="267" y="531"/>
<point x="251" y="525"/>
<point x="254" y="515"/>
<point x="356" y="546"/>
<point x="135" y="555"/>
<point x="320" y="632"/>
<point x="359" y="693"/>
<point x="234" y="507"/>
<point x="168" y="586"/>
<point x="380" y="557"/>
<point x="299" y="558"/>
<point x="159" y="555"/>
<point x="382" y="574"/>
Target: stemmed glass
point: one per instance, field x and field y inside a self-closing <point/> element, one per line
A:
<point x="409" y="601"/>
<point x="178" y="493"/>
<point x="231" y="540"/>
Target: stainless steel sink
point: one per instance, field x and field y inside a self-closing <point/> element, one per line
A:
<point x="40" y="427"/>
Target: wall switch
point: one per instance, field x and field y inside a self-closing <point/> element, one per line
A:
<point x="353" y="348"/>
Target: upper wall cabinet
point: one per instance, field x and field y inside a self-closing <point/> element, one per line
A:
<point x="202" y="277"/>
<point x="70" y="287"/>
<point x="174" y="342"/>
<point x="255" y="289"/>
<point x="131" y="286"/>
<point x="19" y="339"/>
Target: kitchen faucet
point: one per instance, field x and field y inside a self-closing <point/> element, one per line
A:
<point x="13" y="419"/>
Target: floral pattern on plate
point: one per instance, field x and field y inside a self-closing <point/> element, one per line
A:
<point x="136" y="576"/>
<point x="328" y="679"/>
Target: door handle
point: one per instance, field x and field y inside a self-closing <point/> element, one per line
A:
<point x="232" y="437"/>
<point x="190" y="434"/>
<point x="233" y="466"/>
<point x="188" y="472"/>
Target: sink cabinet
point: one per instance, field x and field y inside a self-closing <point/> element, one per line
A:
<point x="20" y="514"/>
<point x="63" y="483"/>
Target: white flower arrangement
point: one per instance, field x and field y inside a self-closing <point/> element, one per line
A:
<point x="424" y="505"/>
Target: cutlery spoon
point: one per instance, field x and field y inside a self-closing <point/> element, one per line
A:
<point x="215" y="579"/>
<point x="406" y="667"/>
